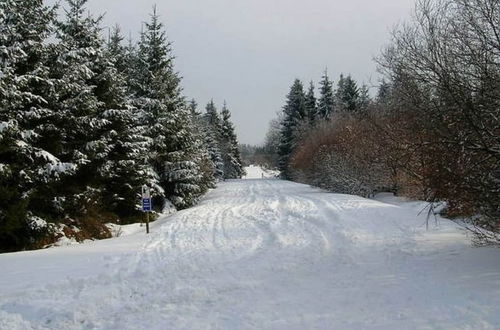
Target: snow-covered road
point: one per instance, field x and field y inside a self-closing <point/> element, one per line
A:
<point x="262" y="254"/>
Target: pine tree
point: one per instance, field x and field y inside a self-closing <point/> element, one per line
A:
<point x="326" y="99"/>
<point x="25" y="86"/>
<point x="294" y="113"/>
<point x="311" y="104"/>
<point x="233" y="168"/>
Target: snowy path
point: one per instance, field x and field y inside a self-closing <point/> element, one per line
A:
<point x="263" y="254"/>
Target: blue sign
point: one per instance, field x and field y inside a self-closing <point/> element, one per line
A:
<point x="146" y="204"/>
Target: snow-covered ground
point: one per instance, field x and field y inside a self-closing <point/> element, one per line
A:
<point x="262" y="254"/>
<point x="256" y="172"/>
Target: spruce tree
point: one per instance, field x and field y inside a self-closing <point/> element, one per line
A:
<point x="364" y="99"/>
<point x="166" y="118"/>
<point x="213" y="138"/>
<point x="92" y="115"/>
<point x="326" y="98"/>
<point x="117" y="50"/>
<point x="76" y="69"/>
<point x="384" y="92"/>
<point x="193" y="108"/>
<point x="311" y="104"/>
<point x="350" y="97"/>
<point x="25" y="116"/>
<point x="294" y="112"/>
<point x="347" y="94"/>
<point x="233" y="168"/>
<point x="125" y="169"/>
<point x="207" y="167"/>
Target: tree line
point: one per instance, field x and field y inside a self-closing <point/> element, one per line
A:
<point x="86" y="122"/>
<point x="432" y="131"/>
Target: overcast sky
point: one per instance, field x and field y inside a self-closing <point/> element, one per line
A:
<point x="248" y="52"/>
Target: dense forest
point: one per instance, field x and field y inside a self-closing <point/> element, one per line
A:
<point x="431" y="132"/>
<point x="87" y="120"/>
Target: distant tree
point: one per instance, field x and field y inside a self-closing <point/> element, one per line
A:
<point x="347" y="94"/>
<point x="193" y="108"/>
<point x="364" y="99"/>
<point x="384" y="92"/>
<point x="326" y="98"/>
<point x="294" y="113"/>
<point x="311" y="104"/>
<point x="233" y="168"/>
<point x="272" y="142"/>
<point x="207" y="166"/>
<point x="213" y="138"/>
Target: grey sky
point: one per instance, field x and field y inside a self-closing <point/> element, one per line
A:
<point x="249" y="51"/>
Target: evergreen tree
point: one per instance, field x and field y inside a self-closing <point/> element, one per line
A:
<point x="213" y="139"/>
<point x="384" y="92"/>
<point x="207" y="166"/>
<point x="193" y="107"/>
<point x="157" y="93"/>
<point x="87" y="89"/>
<point x="351" y="95"/>
<point x="25" y="86"/>
<point x="311" y="104"/>
<point x="364" y="99"/>
<point x="125" y="169"/>
<point x="117" y="51"/>
<point x="326" y="99"/>
<point x="347" y="94"/>
<point x="339" y="94"/>
<point x="233" y="168"/>
<point x="294" y="112"/>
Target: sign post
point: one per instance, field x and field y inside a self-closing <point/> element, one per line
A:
<point x="146" y="204"/>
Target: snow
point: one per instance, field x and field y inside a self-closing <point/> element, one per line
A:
<point x="47" y="156"/>
<point x="36" y="222"/>
<point x="58" y="168"/>
<point x="4" y="125"/>
<point x="256" y="172"/>
<point x="261" y="254"/>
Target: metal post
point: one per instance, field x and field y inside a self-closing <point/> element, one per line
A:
<point x="147" y="222"/>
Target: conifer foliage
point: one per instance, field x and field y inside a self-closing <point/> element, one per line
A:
<point x="25" y="88"/>
<point x="294" y="112"/>
<point x="325" y="102"/>
<point x="231" y="153"/>
<point x="222" y="143"/>
<point x="85" y="123"/>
